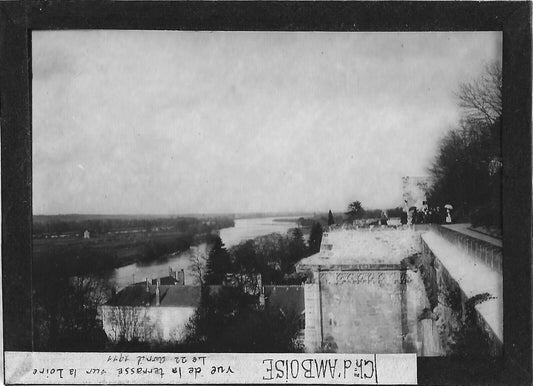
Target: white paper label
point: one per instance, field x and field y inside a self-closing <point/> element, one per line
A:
<point x="177" y="368"/>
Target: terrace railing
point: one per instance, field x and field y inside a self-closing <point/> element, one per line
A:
<point x="487" y="253"/>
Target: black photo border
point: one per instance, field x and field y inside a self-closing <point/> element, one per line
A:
<point x="19" y="18"/>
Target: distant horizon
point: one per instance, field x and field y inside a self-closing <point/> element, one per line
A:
<point x="262" y="213"/>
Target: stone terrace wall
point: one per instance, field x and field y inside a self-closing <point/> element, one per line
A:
<point x="448" y="303"/>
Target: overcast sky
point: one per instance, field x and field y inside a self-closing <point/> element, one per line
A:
<point x="171" y="122"/>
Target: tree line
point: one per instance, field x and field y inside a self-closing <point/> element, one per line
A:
<point x="466" y="172"/>
<point x="64" y="224"/>
<point x="273" y="256"/>
<point x="230" y="319"/>
<point x="356" y="211"/>
<point x="56" y="260"/>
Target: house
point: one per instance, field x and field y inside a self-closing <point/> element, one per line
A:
<point x="173" y="278"/>
<point x="86" y="234"/>
<point x="159" y="310"/>
<point x="150" y="312"/>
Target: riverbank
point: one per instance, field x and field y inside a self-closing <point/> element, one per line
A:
<point x="243" y="230"/>
<point x="143" y="252"/>
<point x="118" y="247"/>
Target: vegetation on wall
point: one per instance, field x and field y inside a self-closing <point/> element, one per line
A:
<point x="470" y="340"/>
<point x="460" y="333"/>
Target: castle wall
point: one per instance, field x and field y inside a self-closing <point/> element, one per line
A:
<point x="362" y="311"/>
<point x="313" y="328"/>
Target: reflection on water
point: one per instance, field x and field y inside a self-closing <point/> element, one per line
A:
<point x="250" y="228"/>
<point x="244" y="229"/>
<point x="134" y="273"/>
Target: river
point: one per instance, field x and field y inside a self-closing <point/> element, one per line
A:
<point x="250" y="228"/>
<point x="244" y="229"/>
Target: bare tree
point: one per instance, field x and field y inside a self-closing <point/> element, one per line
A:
<point x="466" y="168"/>
<point x="89" y="290"/>
<point x="481" y="98"/>
<point x="198" y="264"/>
<point x="128" y="323"/>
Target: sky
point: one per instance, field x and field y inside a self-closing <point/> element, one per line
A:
<point x="180" y="122"/>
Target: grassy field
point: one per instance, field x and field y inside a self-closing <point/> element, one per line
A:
<point x="118" y="242"/>
<point x="81" y="256"/>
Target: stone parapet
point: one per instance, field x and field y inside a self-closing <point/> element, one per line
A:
<point x="385" y="246"/>
<point x="483" y="251"/>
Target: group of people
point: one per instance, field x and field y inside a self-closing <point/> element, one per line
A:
<point x="426" y="215"/>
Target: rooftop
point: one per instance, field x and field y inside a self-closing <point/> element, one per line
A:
<point x="166" y="280"/>
<point x="170" y="296"/>
<point x="365" y="247"/>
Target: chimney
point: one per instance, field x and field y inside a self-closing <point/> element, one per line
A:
<point x="147" y="297"/>
<point x="157" y="293"/>
<point x="261" y="290"/>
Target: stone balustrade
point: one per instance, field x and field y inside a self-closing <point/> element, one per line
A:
<point x="487" y="253"/>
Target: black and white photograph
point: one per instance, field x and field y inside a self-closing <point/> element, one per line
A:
<point x="267" y="192"/>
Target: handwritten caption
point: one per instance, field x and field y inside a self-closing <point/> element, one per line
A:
<point x="160" y="366"/>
